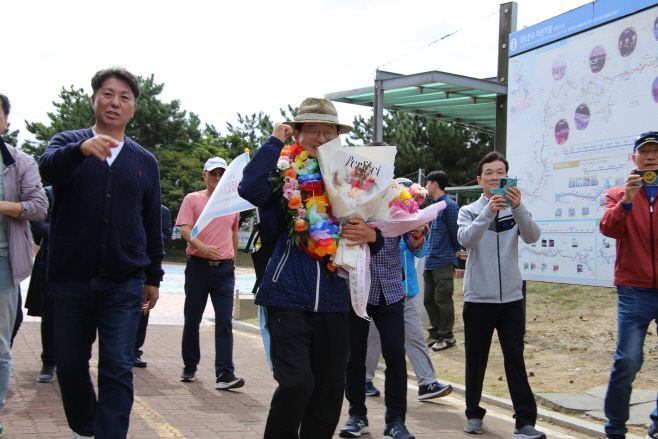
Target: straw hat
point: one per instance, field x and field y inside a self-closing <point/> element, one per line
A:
<point x="318" y="110"/>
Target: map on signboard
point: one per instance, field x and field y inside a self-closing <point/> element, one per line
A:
<point x="575" y="108"/>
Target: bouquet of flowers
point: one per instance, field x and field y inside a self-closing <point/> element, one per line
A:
<point x="305" y="203"/>
<point x="412" y="196"/>
<point x="403" y="213"/>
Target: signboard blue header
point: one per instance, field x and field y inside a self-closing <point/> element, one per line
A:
<point x="572" y="22"/>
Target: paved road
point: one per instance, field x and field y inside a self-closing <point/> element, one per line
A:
<point x="167" y="408"/>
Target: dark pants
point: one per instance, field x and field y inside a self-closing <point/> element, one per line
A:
<point x="389" y="320"/>
<point x="48" y="332"/>
<point x="19" y="318"/>
<point x="202" y="280"/>
<point x="141" y="334"/>
<point x="439" y="287"/>
<point x="480" y="320"/>
<point x="112" y="308"/>
<point x="308" y="351"/>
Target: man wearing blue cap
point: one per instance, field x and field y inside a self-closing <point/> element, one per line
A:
<point x="629" y="218"/>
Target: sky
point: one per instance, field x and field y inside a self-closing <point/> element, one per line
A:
<point x="220" y="58"/>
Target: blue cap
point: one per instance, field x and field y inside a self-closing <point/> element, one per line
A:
<point x="648" y="137"/>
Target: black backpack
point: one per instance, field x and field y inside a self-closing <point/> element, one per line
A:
<point x="261" y="256"/>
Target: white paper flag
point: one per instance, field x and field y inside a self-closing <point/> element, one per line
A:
<point x="225" y="199"/>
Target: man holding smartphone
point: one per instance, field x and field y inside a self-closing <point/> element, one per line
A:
<point x="629" y="218"/>
<point x="493" y="298"/>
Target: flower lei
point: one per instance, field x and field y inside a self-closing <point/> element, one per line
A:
<point x="305" y="204"/>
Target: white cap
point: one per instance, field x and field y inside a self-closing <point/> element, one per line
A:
<point x="214" y="163"/>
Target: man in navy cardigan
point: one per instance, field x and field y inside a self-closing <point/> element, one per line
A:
<point x="105" y="254"/>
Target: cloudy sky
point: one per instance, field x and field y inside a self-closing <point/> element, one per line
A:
<point x="221" y="57"/>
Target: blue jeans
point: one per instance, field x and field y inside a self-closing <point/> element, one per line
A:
<point x="8" y="305"/>
<point x="112" y="308"/>
<point x="635" y="310"/>
<point x="202" y="280"/>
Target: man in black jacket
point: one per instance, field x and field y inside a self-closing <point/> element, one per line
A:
<point x="105" y="255"/>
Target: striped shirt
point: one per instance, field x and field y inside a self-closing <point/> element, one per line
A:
<point x="386" y="271"/>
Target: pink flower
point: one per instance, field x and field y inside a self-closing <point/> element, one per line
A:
<point x="294" y="182"/>
<point x="288" y="194"/>
<point x="413" y="207"/>
<point x="288" y="187"/>
<point x="301" y="212"/>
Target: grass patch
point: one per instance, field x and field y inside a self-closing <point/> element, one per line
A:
<point x="452" y="378"/>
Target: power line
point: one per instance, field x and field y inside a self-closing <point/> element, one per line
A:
<point x="427" y="45"/>
<point x="436" y="41"/>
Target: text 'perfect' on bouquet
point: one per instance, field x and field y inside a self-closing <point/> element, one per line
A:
<point x="306" y="205"/>
<point x="356" y="180"/>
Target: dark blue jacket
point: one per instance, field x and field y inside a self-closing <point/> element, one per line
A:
<point x="105" y="221"/>
<point x="292" y="278"/>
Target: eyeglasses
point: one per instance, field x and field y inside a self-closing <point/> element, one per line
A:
<point x="491" y="174"/>
<point x="314" y="134"/>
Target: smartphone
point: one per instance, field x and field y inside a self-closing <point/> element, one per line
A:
<point x="648" y="177"/>
<point x="504" y="183"/>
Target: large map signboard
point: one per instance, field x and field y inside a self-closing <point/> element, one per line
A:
<point x="575" y="107"/>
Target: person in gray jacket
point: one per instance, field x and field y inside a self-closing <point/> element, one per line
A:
<point x="22" y="198"/>
<point x="489" y="229"/>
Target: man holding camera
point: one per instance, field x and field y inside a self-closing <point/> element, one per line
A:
<point x="629" y="218"/>
<point x="489" y="229"/>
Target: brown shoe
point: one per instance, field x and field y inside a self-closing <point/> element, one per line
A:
<point x="444" y="344"/>
<point x="431" y="341"/>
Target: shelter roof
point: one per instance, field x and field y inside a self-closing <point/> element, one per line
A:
<point x="441" y="95"/>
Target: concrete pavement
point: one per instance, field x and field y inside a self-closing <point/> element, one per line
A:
<point x="167" y="408"/>
<point x="164" y="407"/>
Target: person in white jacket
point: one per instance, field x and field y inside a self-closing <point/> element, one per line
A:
<point x="489" y="230"/>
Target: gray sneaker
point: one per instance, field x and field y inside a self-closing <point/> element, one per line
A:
<point x="528" y="432"/>
<point x="189" y="374"/>
<point x="46" y="375"/>
<point x="473" y="426"/>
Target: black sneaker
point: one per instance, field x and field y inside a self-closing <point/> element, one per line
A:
<point x="355" y="427"/>
<point x="228" y="381"/>
<point x="189" y="374"/>
<point x="444" y="344"/>
<point x="653" y="432"/>
<point x="397" y="430"/>
<point x="46" y="375"/>
<point x="616" y="436"/>
<point x="371" y="390"/>
<point x="434" y="390"/>
<point x="139" y="362"/>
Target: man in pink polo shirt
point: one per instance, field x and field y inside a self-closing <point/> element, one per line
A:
<point x="210" y="270"/>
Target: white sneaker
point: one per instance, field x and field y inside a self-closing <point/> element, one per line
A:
<point x="77" y="436"/>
